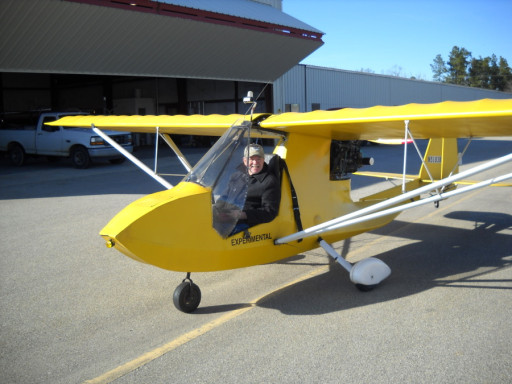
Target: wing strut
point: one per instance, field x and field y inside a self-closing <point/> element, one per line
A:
<point x="427" y="200"/>
<point x="370" y="212"/>
<point x="132" y="158"/>
<point x="170" y="142"/>
<point x="408" y="134"/>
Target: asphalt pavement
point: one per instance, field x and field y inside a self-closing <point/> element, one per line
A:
<point x="73" y="311"/>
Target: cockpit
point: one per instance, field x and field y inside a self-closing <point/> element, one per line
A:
<point x="217" y="167"/>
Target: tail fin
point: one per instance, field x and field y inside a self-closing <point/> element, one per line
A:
<point x="441" y="158"/>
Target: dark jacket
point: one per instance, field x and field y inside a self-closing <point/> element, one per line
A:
<point x="263" y="197"/>
<point x="263" y="194"/>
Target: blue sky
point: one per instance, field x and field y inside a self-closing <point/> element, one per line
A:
<point x="390" y="36"/>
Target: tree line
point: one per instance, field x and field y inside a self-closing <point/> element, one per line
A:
<point x="482" y="72"/>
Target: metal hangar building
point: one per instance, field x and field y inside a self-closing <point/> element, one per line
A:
<point x="144" y="56"/>
<point x="181" y="57"/>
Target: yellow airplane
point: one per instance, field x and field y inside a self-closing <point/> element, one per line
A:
<point x="315" y="153"/>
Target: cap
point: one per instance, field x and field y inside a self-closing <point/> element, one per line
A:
<point x="254" y="150"/>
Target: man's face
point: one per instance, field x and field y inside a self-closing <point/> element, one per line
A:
<point x="255" y="164"/>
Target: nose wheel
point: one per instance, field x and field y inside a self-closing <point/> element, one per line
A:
<point x="187" y="295"/>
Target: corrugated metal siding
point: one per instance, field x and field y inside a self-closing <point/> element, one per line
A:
<point x="278" y="4"/>
<point x="269" y="12"/>
<point x="333" y="88"/>
<point x="55" y="36"/>
<point x="291" y="88"/>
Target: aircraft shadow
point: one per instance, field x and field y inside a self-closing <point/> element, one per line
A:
<point x="439" y="253"/>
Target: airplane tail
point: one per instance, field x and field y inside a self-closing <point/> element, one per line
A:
<point x="441" y="160"/>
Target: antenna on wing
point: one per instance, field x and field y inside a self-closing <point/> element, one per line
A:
<point x="249" y="99"/>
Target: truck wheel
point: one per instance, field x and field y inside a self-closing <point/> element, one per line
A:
<point x="80" y="158"/>
<point x="17" y="155"/>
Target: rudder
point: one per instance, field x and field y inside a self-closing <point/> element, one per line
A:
<point x="441" y="158"/>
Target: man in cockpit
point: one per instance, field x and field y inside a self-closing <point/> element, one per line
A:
<point x="263" y="191"/>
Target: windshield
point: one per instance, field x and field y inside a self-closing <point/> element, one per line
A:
<point x="217" y="162"/>
<point x="222" y="170"/>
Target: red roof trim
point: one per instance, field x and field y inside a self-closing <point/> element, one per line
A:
<point x="165" y="9"/>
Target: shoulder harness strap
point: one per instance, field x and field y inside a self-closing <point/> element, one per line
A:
<point x="295" y="201"/>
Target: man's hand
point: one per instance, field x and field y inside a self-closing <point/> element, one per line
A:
<point x="230" y="215"/>
<point x="228" y="212"/>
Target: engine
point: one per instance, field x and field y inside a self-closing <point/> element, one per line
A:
<point x="346" y="158"/>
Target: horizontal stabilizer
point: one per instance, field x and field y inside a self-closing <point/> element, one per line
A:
<point x="390" y="141"/>
<point x="387" y="175"/>
<point x="472" y="182"/>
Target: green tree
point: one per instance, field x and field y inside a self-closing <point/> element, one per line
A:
<point x="458" y="64"/>
<point x="479" y="73"/>
<point x="494" y="72"/>
<point x="462" y="69"/>
<point x="439" y="69"/>
<point x="503" y="81"/>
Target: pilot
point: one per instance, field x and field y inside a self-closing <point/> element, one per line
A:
<point x="263" y="192"/>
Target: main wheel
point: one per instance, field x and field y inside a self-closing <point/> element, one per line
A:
<point x="187" y="297"/>
<point x="365" y="288"/>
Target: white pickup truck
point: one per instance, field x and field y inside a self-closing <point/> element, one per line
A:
<point x="20" y="140"/>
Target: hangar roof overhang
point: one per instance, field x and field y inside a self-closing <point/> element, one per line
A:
<point x="233" y="40"/>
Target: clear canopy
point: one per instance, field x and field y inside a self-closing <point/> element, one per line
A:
<point x="222" y="170"/>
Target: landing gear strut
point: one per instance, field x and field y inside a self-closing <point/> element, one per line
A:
<point x="365" y="274"/>
<point x="187" y="295"/>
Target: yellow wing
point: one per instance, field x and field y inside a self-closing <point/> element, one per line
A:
<point x="211" y="125"/>
<point x="448" y="119"/>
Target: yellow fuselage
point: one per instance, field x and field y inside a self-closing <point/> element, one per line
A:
<point x="173" y="229"/>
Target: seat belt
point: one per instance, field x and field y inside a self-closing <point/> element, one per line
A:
<point x="295" y="201"/>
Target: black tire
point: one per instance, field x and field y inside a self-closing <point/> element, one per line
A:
<point x="187" y="297"/>
<point x="80" y="157"/>
<point x="16" y="155"/>
<point x="365" y="288"/>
